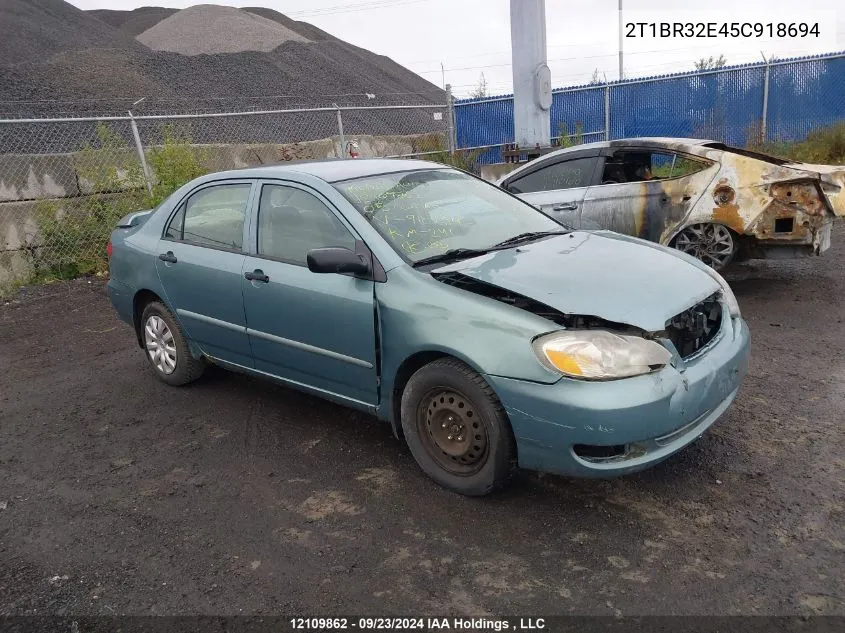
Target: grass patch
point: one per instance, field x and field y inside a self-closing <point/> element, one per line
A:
<point x="72" y="233"/>
<point x="823" y="146"/>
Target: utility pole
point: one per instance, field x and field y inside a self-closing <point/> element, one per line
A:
<point x="532" y="89"/>
<point x="443" y="75"/>
<point x="621" y="25"/>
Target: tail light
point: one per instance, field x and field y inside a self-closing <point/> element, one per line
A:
<point x="801" y="195"/>
<point x="109" y="249"/>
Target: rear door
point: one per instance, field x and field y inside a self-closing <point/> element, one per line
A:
<point x="309" y="328"/>
<point x="557" y="186"/>
<point x="641" y="191"/>
<point x="200" y="265"/>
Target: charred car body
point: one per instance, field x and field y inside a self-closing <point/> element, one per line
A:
<point x="712" y="201"/>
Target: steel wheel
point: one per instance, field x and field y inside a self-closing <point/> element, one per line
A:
<point x="711" y="243"/>
<point x="452" y="432"/>
<point x="158" y="339"/>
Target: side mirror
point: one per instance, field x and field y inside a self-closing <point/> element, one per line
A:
<point x="336" y="260"/>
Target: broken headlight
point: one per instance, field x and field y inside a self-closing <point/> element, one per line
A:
<point x="599" y="354"/>
<point x="727" y="293"/>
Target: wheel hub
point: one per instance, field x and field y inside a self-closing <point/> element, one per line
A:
<point x="449" y="433"/>
<point x="458" y="439"/>
<point x="158" y="340"/>
<point x="711" y="243"/>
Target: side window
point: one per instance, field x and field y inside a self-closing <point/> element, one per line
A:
<point x="212" y="217"/>
<point x="174" y="229"/>
<point x="685" y="166"/>
<point x="639" y="166"/>
<point x="564" y="175"/>
<point x="291" y="222"/>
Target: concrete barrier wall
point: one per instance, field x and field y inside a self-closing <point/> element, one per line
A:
<point x="42" y="176"/>
<point x="29" y="180"/>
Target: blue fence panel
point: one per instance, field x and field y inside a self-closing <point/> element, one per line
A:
<point x="579" y="110"/>
<point x="803" y="96"/>
<point x="724" y="105"/>
<point x="486" y="122"/>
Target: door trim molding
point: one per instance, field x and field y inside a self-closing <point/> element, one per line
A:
<point x="211" y="320"/>
<point x="309" y="348"/>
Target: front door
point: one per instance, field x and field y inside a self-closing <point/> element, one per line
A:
<point x="309" y="328"/>
<point x="200" y="265"/>
<point x="557" y="189"/>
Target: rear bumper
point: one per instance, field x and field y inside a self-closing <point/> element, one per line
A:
<point x="121" y="297"/>
<point x="810" y="243"/>
<point x="645" y="419"/>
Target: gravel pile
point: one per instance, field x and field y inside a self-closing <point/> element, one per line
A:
<point x="308" y="31"/>
<point x="208" y="29"/>
<point x="112" y="72"/>
<point x="133" y="22"/>
<point x="35" y="30"/>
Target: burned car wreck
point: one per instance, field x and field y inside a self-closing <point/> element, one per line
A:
<point x="715" y="202"/>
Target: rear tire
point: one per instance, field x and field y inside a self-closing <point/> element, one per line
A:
<point x="713" y="244"/>
<point x="457" y="429"/>
<point x="166" y="348"/>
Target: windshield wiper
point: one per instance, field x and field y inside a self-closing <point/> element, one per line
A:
<point x="527" y="237"/>
<point x="451" y="255"/>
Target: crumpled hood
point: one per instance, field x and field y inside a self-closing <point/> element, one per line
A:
<point x="612" y="277"/>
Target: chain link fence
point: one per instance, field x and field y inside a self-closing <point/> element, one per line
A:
<point x="64" y="182"/>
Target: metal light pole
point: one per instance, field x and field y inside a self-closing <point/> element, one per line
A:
<point x="621" y="73"/>
<point x="532" y="91"/>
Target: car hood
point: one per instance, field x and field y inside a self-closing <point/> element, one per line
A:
<point x="612" y="277"/>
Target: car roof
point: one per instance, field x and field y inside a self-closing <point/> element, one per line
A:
<point x="689" y="145"/>
<point x="660" y="141"/>
<point x="335" y="169"/>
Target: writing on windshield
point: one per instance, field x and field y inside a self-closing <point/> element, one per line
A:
<point x="428" y="212"/>
<point x="406" y="214"/>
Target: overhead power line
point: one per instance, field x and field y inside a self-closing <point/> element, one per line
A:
<point x="351" y="8"/>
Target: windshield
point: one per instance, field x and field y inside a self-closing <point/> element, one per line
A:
<point x="428" y="212"/>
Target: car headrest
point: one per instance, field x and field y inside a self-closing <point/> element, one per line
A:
<point x="283" y="214"/>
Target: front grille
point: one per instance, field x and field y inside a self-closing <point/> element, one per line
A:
<point x="694" y="329"/>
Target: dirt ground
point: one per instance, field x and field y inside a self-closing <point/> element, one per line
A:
<point x="120" y="495"/>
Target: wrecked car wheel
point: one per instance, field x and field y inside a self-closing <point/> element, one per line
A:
<point x="457" y="429"/>
<point x="714" y="244"/>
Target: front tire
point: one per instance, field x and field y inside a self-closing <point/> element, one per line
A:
<point x="457" y="429"/>
<point x="166" y="348"/>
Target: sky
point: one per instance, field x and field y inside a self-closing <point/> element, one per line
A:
<point x="471" y="37"/>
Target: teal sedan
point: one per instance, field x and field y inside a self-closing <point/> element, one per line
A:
<point x="488" y="335"/>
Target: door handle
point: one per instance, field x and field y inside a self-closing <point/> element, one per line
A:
<point x="168" y="257"/>
<point x="257" y="275"/>
<point x="565" y="206"/>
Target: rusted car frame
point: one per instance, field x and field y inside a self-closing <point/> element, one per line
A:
<point x="726" y="203"/>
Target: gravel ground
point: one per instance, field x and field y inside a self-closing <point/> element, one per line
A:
<point x="121" y="495"/>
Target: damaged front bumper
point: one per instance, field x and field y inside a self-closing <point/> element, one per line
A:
<point x="605" y="429"/>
